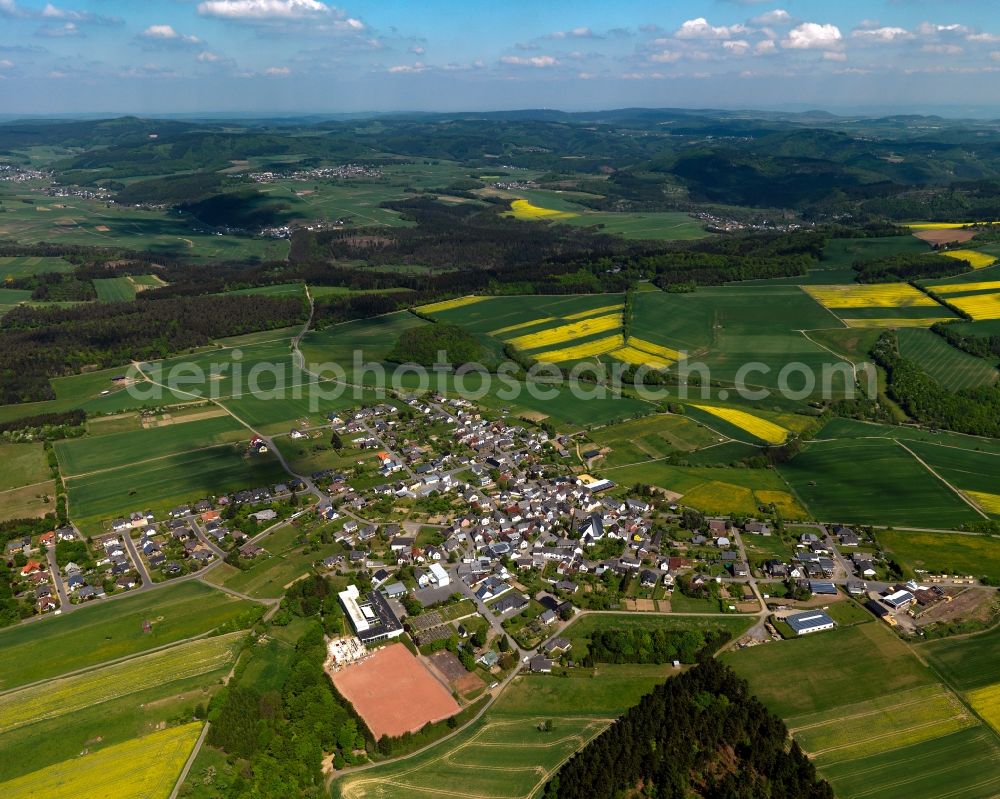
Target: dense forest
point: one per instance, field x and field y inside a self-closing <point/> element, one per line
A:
<point x="421" y="345"/>
<point x="906" y="267"/>
<point x="980" y="346"/>
<point x="700" y="734"/>
<point x="629" y="645"/>
<point x="39" y="343"/>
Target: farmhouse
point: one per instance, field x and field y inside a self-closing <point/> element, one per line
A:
<point x="899" y="600"/>
<point x="810" y="622"/>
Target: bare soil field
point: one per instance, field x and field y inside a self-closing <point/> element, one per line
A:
<point x="375" y="685"/>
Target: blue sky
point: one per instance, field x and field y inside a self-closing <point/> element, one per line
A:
<point x="160" y="56"/>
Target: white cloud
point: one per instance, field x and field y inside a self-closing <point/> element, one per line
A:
<point x="813" y="36"/>
<point x="881" y="34"/>
<point x="833" y="55"/>
<point x="206" y="57"/>
<point x="764" y="47"/>
<point x="408" y="69"/>
<point x="417" y="50"/>
<point x="541" y="61"/>
<point x="59" y="32"/>
<point x="737" y="46"/>
<point x="6" y="64"/>
<point x="700" y="29"/>
<point x="263" y="9"/>
<point x="278" y="72"/>
<point x="166" y="33"/>
<point x="983" y="37"/>
<point x="573" y="33"/>
<point x="777" y="17"/>
<point x="665" y="57"/>
<point x="930" y="29"/>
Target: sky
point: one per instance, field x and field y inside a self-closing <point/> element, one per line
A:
<point x="312" y="56"/>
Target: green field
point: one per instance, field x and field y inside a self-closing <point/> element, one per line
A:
<point x="962" y="765"/>
<point x="161" y="483"/>
<point x="113" y="629"/>
<point x="874" y="718"/>
<point x="504" y="754"/>
<point x="723" y="329"/>
<point x="17" y="267"/>
<point x="84" y="455"/>
<point x="652" y="437"/>
<point x="114" y="289"/>
<point x="22" y="465"/>
<point x="939" y="553"/>
<point x="665" y="225"/>
<point x="967" y="662"/>
<point x="70" y="695"/>
<point x="951" y="367"/>
<point x="92" y="222"/>
<point x="892" y="488"/>
<point x="822" y="671"/>
<point x="285" y="563"/>
<point x="843" y="253"/>
<point x="274" y="290"/>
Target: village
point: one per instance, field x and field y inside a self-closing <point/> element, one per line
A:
<point x="474" y="542"/>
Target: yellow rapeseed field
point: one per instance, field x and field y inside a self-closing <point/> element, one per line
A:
<point x="978" y="306"/>
<point x="595" y="311"/>
<point x="143" y="768"/>
<point x="636" y="357"/>
<point x="937" y="225"/>
<point x="62" y="696"/>
<point x="976" y="259"/>
<point x="986" y="702"/>
<point x="654" y="349"/>
<point x="716" y="496"/>
<point x="447" y="305"/>
<point x="522" y="209"/>
<point x="760" y="428"/>
<point x="965" y="288"/>
<point x="564" y="333"/>
<point x="925" y="321"/>
<point x="786" y="504"/>
<point x="889" y="295"/>
<point x="522" y="325"/>
<point x="589" y="349"/>
<point x="988" y="502"/>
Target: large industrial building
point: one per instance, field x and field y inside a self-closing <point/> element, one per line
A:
<point x="371" y="616"/>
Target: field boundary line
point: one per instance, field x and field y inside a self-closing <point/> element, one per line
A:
<point x="195" y="750"/>
<point x="891" y="734"/>
<point x="942" y="691"/>
<point x="954" y="490"/>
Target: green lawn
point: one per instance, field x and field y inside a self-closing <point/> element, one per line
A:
<point x="113" y="629"/>
<point x="666" y="225"/>
<point x="651" y="437"/>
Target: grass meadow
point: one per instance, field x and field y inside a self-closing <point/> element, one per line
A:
<point x="109" y="630"/>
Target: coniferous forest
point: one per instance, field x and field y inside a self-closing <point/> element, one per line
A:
<point x="700" y="734"/>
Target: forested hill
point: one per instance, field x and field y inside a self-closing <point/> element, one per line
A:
<point x="701" y="734"/>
